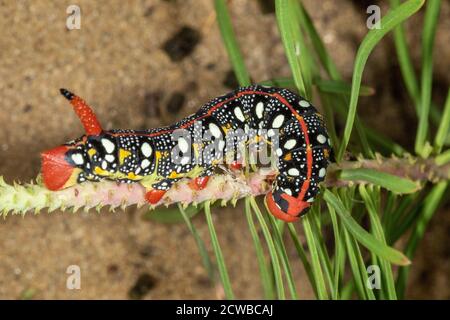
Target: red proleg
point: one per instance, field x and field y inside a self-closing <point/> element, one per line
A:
<point x="154" y="195"/>
<point x="198" y="183"/>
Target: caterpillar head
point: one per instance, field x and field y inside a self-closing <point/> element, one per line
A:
<point x="66" y="165"/>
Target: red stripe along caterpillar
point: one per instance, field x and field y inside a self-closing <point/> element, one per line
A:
<point x="301" y="148"/>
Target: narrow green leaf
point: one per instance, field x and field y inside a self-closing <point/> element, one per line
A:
<point x="405" y="62"/>
<point x="266" y="277"/>
<point x="328" y="86"/>
<point x="281" y="250"/>
<point x="443" y="158"/>
<point x="272" y="251"/>
<point x="218" y="252"/>
<point x="302" y="255"/>
<point x="391" y="182"/>
<point x="365" y="238"/>
<point x="337" y="252"/>
<point x="231" y="44"/>
<point x="431" y="203"/>
<point x="315" y="260"/>
<point x="443" y="132"/>
<point x="324" y="57"/>
<point x="352" y="246"/>
<point x="388" y="22"/>
<point x="323" y="254"/>
<point x="200" y="244"/>
<point x="428" y="35"/>
<point x="292" y="42"/>
<point x="341" y="87"/>
<point x="386" y="268"/>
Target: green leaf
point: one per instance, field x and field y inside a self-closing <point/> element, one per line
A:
<point x="281" y="250"/>
<point x="428" y="35"/>
<point x="328" y="86"/>
<point x="231" y="44"/>
<point x="363" y="237"/>
<point x="442" y="132"/>
<point x="171" y="214"/>
<point x="219" y="255"/>
<point x="341" y="87"/>
<point x="377" y="228"/>
<point x="430" y="206"/>
<point x="272" y="251"/>
<point x="266" y="276"/>
<point x="200" y="244"/>
<point x="388" y="181"/>
<point x="294" y="45"/>
<point x="302" y="255"/>
<point x="315" y="260"/>
<point x="388" y="22"/>
<point x="443" y="158"/>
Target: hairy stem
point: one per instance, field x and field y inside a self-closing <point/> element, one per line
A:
<point x="21" y="198"/>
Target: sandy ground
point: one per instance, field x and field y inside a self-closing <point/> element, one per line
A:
<point x="120" y="62"/>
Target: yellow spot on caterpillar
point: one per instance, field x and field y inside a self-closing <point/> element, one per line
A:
<point x="288" y="156"/>
<point x="132" y="176"/>
<point x="326" y="153"/>
<point x="123" y="154"/>
<point x="91" y="152"/>
<point x="100" y="172"/>
<point x="173" y="175"/>
<point x="73" y="178"/>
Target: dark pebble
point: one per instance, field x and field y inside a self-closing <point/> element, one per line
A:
<point x="143" y="285"/>
<point x="182" y="43"/>
<point x="230" y="80"/>
<point x="176" y="102"/>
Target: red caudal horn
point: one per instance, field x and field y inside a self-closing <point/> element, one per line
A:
<point x="84" y="112"/>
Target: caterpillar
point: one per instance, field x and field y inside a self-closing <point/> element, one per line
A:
<point x="157" y="158"/>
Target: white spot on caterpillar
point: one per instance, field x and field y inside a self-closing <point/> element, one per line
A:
<point x="109" y="158"/>
<point x="322" y="172"/>
<point x="271" y="133"/>
<point x="108" y="145"/>
<point x="290" y="144"/>
<point x="185" y="160"/>
<point x="137" y="171"/>
<point x="221" y="145"/>
<point x="279" y="152"/>
<point x="278" y="121"/>
<point x="259" y="110"/>
<point x="77" y="158"/>
<point x="288" y="191"/>
<point x="183" y="145"/>
<point x="104" y="165"/>
<point x="145" y="163"/>
<point x="310" y="200"/>
<point x="238" y="113"/>
<point x="214" y="129"/>
<point x="293" y="172"/>
<point x="304" y="104"/>
<point x="321" y="138"/>
<point x="146" y="149"/>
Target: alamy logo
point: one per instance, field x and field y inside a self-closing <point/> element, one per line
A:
<point x="373" y="21"/>
<point x="73" y="281"/>
<point x="73" y="21"/>
<point x="374" y="277"/>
